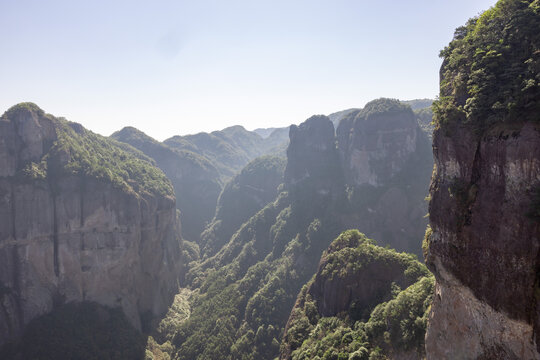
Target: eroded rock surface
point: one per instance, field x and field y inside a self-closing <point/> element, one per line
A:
<point x="67" y="234"/>
<point x="484" y="247"/>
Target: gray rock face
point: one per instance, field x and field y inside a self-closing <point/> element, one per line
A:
<point x="387" y="163"/>
<point x="312" y="159"/>
<point x="75" y="238"/>
<point x="376" y="142"/>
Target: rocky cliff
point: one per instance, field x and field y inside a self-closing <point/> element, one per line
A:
<point x="82" y="217"/>
<point x="314" y="172"/>
<point x="483" y="245"/>
<point x="387" y="162"/>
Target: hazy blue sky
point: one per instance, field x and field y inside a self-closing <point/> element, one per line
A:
<point x="178" y="67"/>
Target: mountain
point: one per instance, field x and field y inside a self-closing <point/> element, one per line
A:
<point x="265" y="132"/>
<point x="230" y="149"/>
<point x="247" y="193"/>
<point x="484" y="238"/>
<point x="418" y="104"/>
<point x="421" y="108"/>
<point x="364" y="302"/>
<point x="250" y="284"/>
<point x="196" y="181"/>
<point x="83" y="219"/>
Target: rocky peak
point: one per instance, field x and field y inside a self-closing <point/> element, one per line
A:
<point x="27" y="134"/>
<point x="376" y="142"/>
<point x="312" y="157"/>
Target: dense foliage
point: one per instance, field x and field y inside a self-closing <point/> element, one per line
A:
<point x="78" y="331"/>
<point x="382" y="107"/>
<point x="396" y="320"/>
<point x="491" y="69"/>
<point x="246" y="291"/>
<point x="80" y="152"/>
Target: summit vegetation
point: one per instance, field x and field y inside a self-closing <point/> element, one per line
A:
<point x="490" y="71"/>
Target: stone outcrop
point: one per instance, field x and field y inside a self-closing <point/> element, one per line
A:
<point x="387" y="162"/>
<point x="313" y="165"/>
<point x="483" y="245"/>
<point x="377" y="142"/>
<point x="68" y="235"/>
<point x="484" y="249"/>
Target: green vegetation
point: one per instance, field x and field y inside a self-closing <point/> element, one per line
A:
<point x="382" y="107"/>
<point x="395" y="323"/>
<point x="245" y="292"/>
<point x="230" y="149"/>
<point x="79" y="152"/>
<point x="196" y="181"/>
<point x="424" y="117"/>
<point x="78" y="331"/>
<point x="248" y="192"/>
<point x="95" y="156"/>
<point x="490" y="72"/>
<point x="25" y="106"/>
<point x="418" y="104"/>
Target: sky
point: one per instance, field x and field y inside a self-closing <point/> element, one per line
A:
<point x="180" y="67"/>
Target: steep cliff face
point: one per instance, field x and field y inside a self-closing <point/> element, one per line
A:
<point x="484" y="249"/>
<point x="377" y="141"/>
<point x="81" y="219"/>
<point x="483" y="245"/>
<point x="313" y="165"/>
<point x="195" y="180"/>
<point x="387" y="161"/>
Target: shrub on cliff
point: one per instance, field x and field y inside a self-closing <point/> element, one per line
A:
<point x="384" y="321"/>
<point x="490" y="72"/>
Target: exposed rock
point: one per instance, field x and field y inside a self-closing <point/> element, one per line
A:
<point x="387" y="162"/>
<point x="377" y="141"/>
<point x="313" y="165"/>
<point x="484" y="249"/>
<point x="484" y="242"/>
<point x="71" y="230"/>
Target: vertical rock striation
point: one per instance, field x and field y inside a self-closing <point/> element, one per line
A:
<point x="74" y="227"/>
<point x="387" y="161"/>
<point x="483" y="245"/>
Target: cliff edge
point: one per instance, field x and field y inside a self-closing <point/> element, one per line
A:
<point x="483" y="244"/>
<point x="82" y="218"/>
